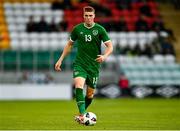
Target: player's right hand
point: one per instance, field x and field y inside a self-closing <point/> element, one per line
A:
<point x="58" y="66"/>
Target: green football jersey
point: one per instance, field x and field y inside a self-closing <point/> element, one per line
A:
<point x="88" y="40"/>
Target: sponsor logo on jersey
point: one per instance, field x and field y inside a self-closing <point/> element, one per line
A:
<point x="95" y="32"/>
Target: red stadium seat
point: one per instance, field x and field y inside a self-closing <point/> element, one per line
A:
<point x="152" y="5"/>
<point x="135" y="12"/>
<point x="155" y="12"/>
<point x="116" y="12"/>
<point x="126" y="12"/>
<point x="68" y="13"/>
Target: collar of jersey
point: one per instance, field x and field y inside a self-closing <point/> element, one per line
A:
<point x="89" y="27"/>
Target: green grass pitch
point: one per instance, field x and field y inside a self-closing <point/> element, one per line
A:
<point x="112" y="114"/>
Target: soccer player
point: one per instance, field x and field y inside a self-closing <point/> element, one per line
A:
<point x="88" y="36"/>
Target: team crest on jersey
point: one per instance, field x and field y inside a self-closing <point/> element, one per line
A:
<point x="95" y="32"/>
<point x="76" y="72"/>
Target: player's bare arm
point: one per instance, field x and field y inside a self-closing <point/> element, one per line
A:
<point x="108" y="51"/>
<point x="66" y="51"/>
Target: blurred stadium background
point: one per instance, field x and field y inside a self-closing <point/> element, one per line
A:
<point x="145" y="36"/>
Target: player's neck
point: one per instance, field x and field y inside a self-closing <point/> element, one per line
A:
<point x="89" y="25"/>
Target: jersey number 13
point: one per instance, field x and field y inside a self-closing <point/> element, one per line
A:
<point x="88" y="38"/>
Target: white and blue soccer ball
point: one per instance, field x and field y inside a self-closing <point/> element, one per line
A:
<point x="90" y="119"/>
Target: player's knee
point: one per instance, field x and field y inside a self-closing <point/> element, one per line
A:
<point x="78" y="85"/>
<point x="79" y="82"/>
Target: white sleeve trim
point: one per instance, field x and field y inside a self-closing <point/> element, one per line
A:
<point x="71" y="39"/>
<point x="107" y="41"/>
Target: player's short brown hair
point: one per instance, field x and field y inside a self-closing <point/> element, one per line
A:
<point x="88" y="9"/>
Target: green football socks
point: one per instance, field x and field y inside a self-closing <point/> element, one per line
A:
<point x="80" y="100"/>
<point x="87" y="102"/>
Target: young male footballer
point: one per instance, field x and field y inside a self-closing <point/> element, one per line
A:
<point x="88" y="36"/>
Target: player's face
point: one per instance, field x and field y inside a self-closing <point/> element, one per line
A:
<point x="89" y="17"/>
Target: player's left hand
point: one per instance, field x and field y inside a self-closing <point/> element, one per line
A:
<point x="100" y="58"/>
